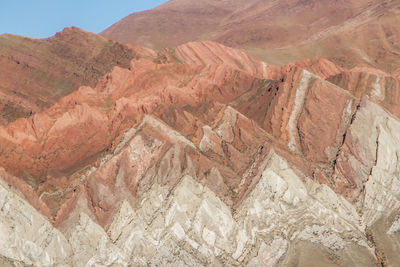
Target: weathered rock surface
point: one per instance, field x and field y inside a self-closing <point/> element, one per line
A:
<point x="193" y="221"/>
<point x="27" y="236"/>
<point x="380" y="87"/>
<point x="204" y="156"/>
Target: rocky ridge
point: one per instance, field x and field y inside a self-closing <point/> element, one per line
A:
<point x="206" y="156"/>
<point x="36" y="73"/>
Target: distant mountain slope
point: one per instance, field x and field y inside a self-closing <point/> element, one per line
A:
<point x="278" y="31"/>
<point x="35" y="73"/>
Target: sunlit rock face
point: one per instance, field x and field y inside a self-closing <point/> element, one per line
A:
<point x="205" y="156"/>
<point x="191" y="225"/>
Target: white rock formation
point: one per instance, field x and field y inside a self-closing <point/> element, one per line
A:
<point x="27" y="236"/>
<point x="378" y="132"/>
<point x="191" y="226"/>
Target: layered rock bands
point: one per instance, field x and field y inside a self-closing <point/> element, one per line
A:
<point x="204" y="156"/>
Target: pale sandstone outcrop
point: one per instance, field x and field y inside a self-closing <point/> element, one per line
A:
<point x="27" y="236"/>
<point x="395" y="226"/>
<point x="194" y="221"/>
<point x="371" y="152"/>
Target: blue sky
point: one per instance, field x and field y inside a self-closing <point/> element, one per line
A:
<point x="43" y="18"/>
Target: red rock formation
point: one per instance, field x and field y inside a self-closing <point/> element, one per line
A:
<point x="86" y="123"/>
<point x="306" y="115"/>
<point x="379" y="86"/>
<point x="36" y="73"/>
<point x="214" y="114"/>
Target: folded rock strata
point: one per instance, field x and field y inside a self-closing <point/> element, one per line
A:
<point x="204" y="156"/>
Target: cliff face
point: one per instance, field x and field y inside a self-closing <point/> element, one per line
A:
<point x="204" y="156"/>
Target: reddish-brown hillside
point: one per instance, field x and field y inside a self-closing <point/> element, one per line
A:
<point x="35" y="73"/>
<point x="346" y="32"/>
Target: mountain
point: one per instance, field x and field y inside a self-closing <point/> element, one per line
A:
<point x="36" y="73"/>
<point x="276" y="31"/>
<point x="201" y="154"/>
<point x="205" y="156"/>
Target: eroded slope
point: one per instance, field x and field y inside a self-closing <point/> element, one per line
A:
<point x="205" y="156"/>
<point x="36" y="73"/>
